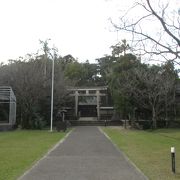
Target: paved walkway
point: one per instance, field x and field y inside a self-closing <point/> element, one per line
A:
<point x="86" y="154"/>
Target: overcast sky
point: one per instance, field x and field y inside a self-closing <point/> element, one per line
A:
<point x="77" y="27"/>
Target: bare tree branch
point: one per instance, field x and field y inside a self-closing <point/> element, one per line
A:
<point x="165" y="43"/>
<point x="163" y="22"/>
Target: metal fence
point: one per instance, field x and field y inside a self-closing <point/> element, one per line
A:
<point x="7" y="105"/>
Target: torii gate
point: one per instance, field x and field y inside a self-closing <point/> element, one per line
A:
<point x="88" y="91"/>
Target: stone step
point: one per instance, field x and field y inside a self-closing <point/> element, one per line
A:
<point x="95" y="123"/>
<point x="88" y="119"/>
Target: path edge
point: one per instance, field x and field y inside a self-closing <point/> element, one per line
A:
<point x="36" y="163"/>
<point x="125" y="156"/>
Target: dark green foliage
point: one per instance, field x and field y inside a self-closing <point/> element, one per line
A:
<point x="138" y="87"/>
<point x="120" y="48"/>
<point x="83" y="74"/>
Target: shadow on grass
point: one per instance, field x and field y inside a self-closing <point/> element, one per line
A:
<point x="164" y="130"/>
<point x="168" y="133"/>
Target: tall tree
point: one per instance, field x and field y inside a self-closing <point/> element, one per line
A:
<point x="120" y="80"/>
<point x="46" y="50"/>
<point x="120" y="48"/>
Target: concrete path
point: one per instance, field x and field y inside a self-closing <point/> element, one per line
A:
<point x="86" y="154"/>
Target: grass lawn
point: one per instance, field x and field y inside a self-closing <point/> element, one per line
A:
<point x="20" y="149"/>
<point x="149" y="150"/>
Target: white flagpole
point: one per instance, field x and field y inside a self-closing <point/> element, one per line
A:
<point x="52" y="95"/>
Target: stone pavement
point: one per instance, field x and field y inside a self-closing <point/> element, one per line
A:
<point x="86" y="154"/>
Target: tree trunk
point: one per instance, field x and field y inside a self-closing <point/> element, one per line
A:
<point x="125" y="124"/>
<point x="166" y="107"/>
<point x="154" y="118"/>
<point x="133" y="118"/>
<point x="174" y="103"/>
<point x="166" y="111"/>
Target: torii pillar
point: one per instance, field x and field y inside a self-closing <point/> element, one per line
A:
<point x="98" y="106"/>
<point x="76" y="103"/>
